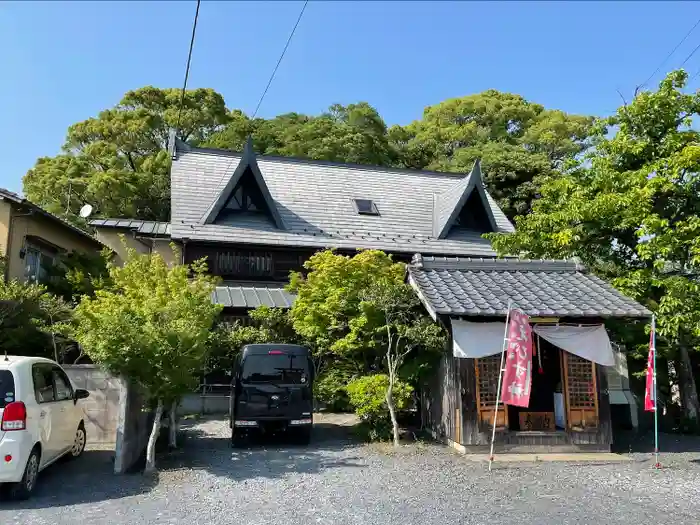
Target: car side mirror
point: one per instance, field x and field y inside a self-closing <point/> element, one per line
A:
<point x="80" y="394"/>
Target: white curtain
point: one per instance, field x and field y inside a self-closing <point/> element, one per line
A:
<point x="473" y="340"/>
<point x="476" y="339"/>
<point x="589" y="342"/>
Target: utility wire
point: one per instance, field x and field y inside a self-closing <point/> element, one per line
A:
<point x="269" y="82"/>
<point x="690" y="55"/>
<point x="187" y="69"/>
<point x="279" y="61"/>
<point x="671" y="53"/>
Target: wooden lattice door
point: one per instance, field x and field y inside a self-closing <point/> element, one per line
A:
<point x="487" y="371"/>
<point x="581" y="392"/>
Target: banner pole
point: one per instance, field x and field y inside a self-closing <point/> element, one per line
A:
<point x="656" y="395"/>
<point x="500" y="377"/>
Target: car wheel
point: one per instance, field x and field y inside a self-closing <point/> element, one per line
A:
<point x="24" y="488"/>
<point x="79" y="442"/>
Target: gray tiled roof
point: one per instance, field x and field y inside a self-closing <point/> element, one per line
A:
<point x="478" y="287"/>
<point x="314" y="201"/>
<point x="252" y="295"/>
<point x="13" y="197"/>
<point x="153" y="228"/>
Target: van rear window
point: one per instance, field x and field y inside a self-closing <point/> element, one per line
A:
<point x="275" y="368"/>
<point x="7" y="388"/>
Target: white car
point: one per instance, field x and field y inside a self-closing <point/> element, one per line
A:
<point x="41" y="420"/>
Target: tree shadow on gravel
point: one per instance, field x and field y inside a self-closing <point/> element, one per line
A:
<point x="272" y="457"/>
<point x="88" y="479"/>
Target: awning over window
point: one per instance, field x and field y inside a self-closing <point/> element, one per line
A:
<point x="473" y="340"/>
<point x="589" y="342"/>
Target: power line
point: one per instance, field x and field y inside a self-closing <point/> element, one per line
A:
<point x="690" y="55"/>
<point x="187" y="69"/>
<point x="669" y="55"/>
<point x="269" y="82"/>
<point x="274" y="71"/>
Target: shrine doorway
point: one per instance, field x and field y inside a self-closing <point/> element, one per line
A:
<point x="545" y="412"/>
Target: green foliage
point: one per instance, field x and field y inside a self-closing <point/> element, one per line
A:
<point x="517" y="141"/>
<point x="152" y="324"/>
<point x="330" y="385"/>
<point x="76" y="274"/>
<point x="630" y="211"/>
<point x="32" y="321"/>
<point x="118" y="161"/>
<point x="354" y="133"/>
<point x="367" y="395"/>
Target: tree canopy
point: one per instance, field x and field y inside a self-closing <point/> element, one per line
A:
<point x="118" y="161"/>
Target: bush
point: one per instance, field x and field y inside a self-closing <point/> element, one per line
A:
<point x="367" y="395"/>
<point x="330" y="389"/>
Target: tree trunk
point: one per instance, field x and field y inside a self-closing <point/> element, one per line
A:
<point x="686" y="383"/>
<point x="172" y="442"/>
<point x="151" y="450"/>
<point x="392" y="410"/>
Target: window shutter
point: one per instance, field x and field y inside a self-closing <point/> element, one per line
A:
<point x="581" y="392"/>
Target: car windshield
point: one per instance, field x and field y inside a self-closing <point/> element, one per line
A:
<point x="275" y="368"/>
<point x="7" y="388"/>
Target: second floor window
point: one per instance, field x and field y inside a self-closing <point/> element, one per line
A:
<point x="244" y="264"/>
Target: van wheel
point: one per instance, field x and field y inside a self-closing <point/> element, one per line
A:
<point x="24" y="488"/>
<point x="304" y="436"/>
<point x="237" y="440"/>
<point x="79" y="442"/>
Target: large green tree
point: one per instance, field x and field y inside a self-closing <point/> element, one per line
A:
<point x="354" y="133"/>
<point x="631" y="211"/>
<point x="517" y="141"/>
<point x="118" y="161"/>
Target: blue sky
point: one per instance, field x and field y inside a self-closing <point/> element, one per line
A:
<point x="64" y="62"/>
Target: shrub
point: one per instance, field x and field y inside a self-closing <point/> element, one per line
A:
<point x="367" y="395"/>
<point x="330" y="389"/>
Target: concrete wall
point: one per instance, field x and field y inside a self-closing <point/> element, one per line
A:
<point x="133" y="428"/>
<point x="196" y="403"/>
<point x="116" y="414"/>
<point x="5" y="214"/>
<point x="47" y="229"/>
<point x="102" y="407"/>
<point x="112" y="237"/>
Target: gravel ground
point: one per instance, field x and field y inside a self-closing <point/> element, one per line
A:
<point x="337" y="481"/>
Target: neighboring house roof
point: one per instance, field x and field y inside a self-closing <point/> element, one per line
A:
<point x="252" y="295"/>
<point x="16" y="199"/>
<point x="148" y="228"/>
<point x="314" y="203"/>
<point x="479" y="287"/>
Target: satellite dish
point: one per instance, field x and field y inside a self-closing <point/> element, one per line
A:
<point x="85" y="211"/>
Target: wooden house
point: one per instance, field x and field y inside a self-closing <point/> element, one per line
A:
<point x="256" y="218"/>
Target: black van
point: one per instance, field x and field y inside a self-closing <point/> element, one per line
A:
<point x="271" y="391"/>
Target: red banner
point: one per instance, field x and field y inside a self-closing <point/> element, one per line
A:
<point x="650" y="393"/>
<point x="517" y="377"/>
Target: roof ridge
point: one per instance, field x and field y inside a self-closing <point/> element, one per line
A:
<point x="303" y="160"/>
<point x="501" y="264"/>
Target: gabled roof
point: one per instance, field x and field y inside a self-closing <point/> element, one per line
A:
<point x="449" y="204"/>
<point x="146" y="228"/>
<point x="314" y="200"/>
<point x="247" y="162"/>
<point x="13" y="197"/>
<point x="482" y="287"/>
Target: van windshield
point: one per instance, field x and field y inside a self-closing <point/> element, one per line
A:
<point x="7" y="388"/>
<point x="275" y="368"/>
